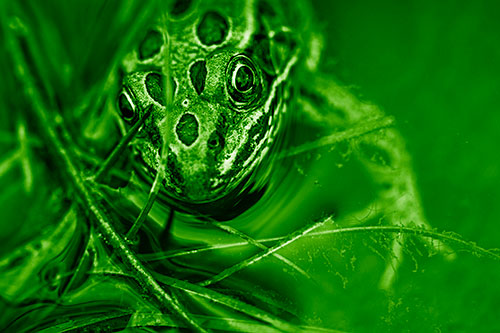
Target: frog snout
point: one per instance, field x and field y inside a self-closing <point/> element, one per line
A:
<point x="187" y="129"/>
<point x="196" y="156"/>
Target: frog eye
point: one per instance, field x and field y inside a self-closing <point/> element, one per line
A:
<point x="126" y="107"/>
<point x="243" y="82"/>
<point x="243" y="78"/>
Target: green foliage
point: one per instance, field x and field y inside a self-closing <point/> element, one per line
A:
<point x="69" y="255"/>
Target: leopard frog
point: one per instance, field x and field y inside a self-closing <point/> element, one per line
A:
<point x="241" y="74"/>
<point x="229" y="65"/>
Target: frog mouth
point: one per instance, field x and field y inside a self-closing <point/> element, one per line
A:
<point x="202" y="189"/>
<point x="198" y="186"/>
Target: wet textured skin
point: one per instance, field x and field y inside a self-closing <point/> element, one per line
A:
<point x="294" y="96"/>
<point x="228" y="63"/>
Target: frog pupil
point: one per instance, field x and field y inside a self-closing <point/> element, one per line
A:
<point x="125" y="107"/>
<point x="243" y="79"/>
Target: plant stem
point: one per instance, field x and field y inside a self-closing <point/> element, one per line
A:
<point x="25" y="158"/>
<point x="60" y="153"/>
<point x="250" y="240"/>
<point x="330" y="140"/>
<point x="153" y="194"/>
<point x="111" y="160"/>
<point x="250" y="261"/>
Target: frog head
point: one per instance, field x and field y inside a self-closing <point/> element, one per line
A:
<point x="214" y="76"/>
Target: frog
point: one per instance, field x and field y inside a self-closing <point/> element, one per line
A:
<point x="229" y="82"/>
<point x="224" y="80"/>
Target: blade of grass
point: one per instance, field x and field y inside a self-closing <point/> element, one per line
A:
<point x="145" y="319"/>
<point x="120" y="147"/>
<point x="153" y="194"/>
<point x="426" y="233"/>
<point x="85" y="194"/>
<point x="86" y="323"/>
<point x="216" y="323"/>
<point x="9" y="138"/>
<point x="447" y="237"/>
<point x="180" y="253"/>
<point x="330" y="140"/>
<point x="228" y="301"/>
<point x="25" y="157"/>
<point x="253" y="242"/>
<point x="8" y="162"/>
<point x="250" y="261"/>
<point x="164" y="124"/>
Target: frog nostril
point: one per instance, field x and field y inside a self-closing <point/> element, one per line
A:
<point x="215" y="141"/>
<point x="187" y="129"/>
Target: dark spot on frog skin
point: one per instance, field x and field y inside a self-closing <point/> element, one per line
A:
<point x="150" y="45"/>
<point x="187" y="129"/>
<point x="198" y="75"/>
<point x="180" y="7"/>
<point x="213" y="29"/>
<point x="155" y="84"/>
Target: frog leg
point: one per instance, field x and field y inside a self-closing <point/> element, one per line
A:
<point x="381" y="149"/>
<point x="398" y="191"/>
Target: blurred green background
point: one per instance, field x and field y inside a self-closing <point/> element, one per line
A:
<point x="435" y="66"/>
